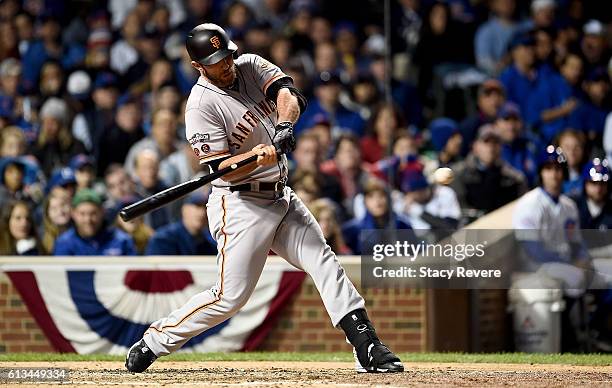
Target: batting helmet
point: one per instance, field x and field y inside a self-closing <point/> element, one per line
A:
<point x="208" y="43"/>
<point x="596" y="171"/>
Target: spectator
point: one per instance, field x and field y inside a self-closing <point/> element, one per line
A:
<point x="378" y="215"/>
<point x="426" y="206"/>
<point x="306" y="186"/>
<point x="324" y="212"/>
<point x="594" y="205"/>
<point x="552" y="103"/>
<point x="573" y="145"/>
<point x="123" y="53"/>
<point x="405" y="157"/>
<point x="520" y="78"/>
<point x="41" y="50"/>
<point x="484" y="182"/>
<point x="308" y="158"/>
<point x="79" y="100"/>
<point x="383" y="128"/>
<point x="322" y="129"/>
<point x="542" y="14"/>
<point x="105" y="95"/>
<point x="180" y="166"/>
<point x="594" y="45"/>
<point x="85" y="173"/>
<point x="90" y="236"/>
<point x="190" y="236"/>
<point x="441" y="43"/>
<point x="590" y="115"/>
<point x="347" y="168"/>
<point x="146" y="176"/>
<point x="55" y="145"/>
<point x="163" y="139"/>
<point x="119" y="185"/>
<point x="140" y="232"/>
<point x="326" y="101"/>
<point x="12" y="181"/>
<point x="10" y="75"/>
<point x="56" y="217"/>
<point x="518" y="148"/>
<point x="446" y="140"/>
<point x="545" y="51"/>
<point x="51" y="80"/>
<point x="127" y="130"/>
<point x="362" y="96"/>
<point x="492" y="37"/>
<point x="149" y="45"/>
<point x="17" y="230"/>
<point x="12" y="142"/>
<point x="64" y="178"/>
<point x="491" y="97"/>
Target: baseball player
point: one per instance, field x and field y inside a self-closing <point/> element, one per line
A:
<point x="244" y="106"/>
<point x="548" y="226"/>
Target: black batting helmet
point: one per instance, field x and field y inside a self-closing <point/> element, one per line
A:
<point x="208" y="43"/>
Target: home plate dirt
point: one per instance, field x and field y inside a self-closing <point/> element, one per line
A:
<point x="325" y="374"/>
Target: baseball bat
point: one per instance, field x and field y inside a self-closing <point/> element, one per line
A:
<point x="173" y="193"/>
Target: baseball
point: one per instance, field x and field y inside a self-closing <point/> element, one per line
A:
<point x="443" y="176"/>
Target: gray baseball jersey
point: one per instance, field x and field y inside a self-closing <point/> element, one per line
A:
<point x="247" y="225"/>
<point x="222" y="121"/>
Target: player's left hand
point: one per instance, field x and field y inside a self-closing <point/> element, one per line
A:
<point x="267" y="154"/>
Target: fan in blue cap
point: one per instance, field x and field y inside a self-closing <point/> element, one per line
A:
<point x="594" y="205"/>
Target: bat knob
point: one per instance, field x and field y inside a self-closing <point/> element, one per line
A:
<point x="124" y="216"/>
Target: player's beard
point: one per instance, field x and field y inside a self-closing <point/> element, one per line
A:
<point x="223" y="81"/>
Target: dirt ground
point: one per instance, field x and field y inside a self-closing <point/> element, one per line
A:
<point x="323" y="374"/>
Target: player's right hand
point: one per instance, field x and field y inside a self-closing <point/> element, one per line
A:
<point x="267" y="154"/>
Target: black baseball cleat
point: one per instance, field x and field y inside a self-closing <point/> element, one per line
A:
<point x="139" y="357"/>
<point x="379" y="360"/>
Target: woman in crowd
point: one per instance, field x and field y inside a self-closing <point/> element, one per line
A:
<point x="324" y="212"/>
<point x="56" y="217"/>
<point x="17" y="230"/>
<point x="383" y="128"/>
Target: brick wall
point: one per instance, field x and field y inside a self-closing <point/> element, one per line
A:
<point x="19" y="332"/>
<point x="398" y="314"/>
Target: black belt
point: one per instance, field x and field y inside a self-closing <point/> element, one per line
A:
<point x="259" y="186"/>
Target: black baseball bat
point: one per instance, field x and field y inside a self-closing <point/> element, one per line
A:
<point x="173" y="193"/>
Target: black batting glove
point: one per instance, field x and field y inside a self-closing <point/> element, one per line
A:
<point x="284" y="140"/>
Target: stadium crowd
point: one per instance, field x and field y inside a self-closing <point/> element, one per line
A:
<point x="92" y="95"/>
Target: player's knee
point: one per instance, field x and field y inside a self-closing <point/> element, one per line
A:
<point x="236" y="299"/>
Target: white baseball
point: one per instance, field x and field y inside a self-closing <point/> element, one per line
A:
<point x="443" y="176"/>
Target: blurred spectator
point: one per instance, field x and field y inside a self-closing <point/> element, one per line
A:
<point x="362" y="97"/>
<point x="25" y="31"/>
<point x="591" y="113"/>
<point x="426" y="206"/>
<point x="140" y="232"/>
<point x="573" y="143"/>
<point x="12" y="142"/>
<point x="383" y="128"/>
<point x="322" y="129"/>
<point x="90" y="236"/>
<point x="555" y="99"/>
<point x="148" y="182"/>
<point x="180" y="166"/>
<point x="379" y="215"/>
<point x="491" y="96"/>
<point x="484" y="182"/>
<point x="84" y="167"/>
<point x="46" y="47"/>
<point x="594" y="45"/>
<point x="55" y="145"/>
<point x="8" y="42"/>
<point x="10" y="74"/>
<point x="594" y="205"/>
<point x="149" y="47"/>
<point x="126" y="131"/>
<point x="13" y="181"/>
<point x="520" y="78"/>
<point x="492" y="37"/>
<point x="51" y="80"/>
<point x="542" y="14"/>
<point x="545" y="51"/>
<point x="326" y="101"/>
<point x="518" y="148"/>
<point x="306" y="186"/>
<point x="441" y="43"/>
<point x="17" y="230"/>
<point x="446" y="140"/>
<point x="347" y="167"/>
<point x="119" y="185"/>
<point x="163" y="138"/>
<point x="123" y="53"/>
<point x="190" y="236"/>
<point x="78" y="90"/>
<point x="64" y="178"/>
<point x="105" y="95"/>
<point x="308" y="158"/>
<point x="237" y="19"/>
<point x="324" y="212"/>
<point x="405" y="157"/>
<point x="56" y="217"/>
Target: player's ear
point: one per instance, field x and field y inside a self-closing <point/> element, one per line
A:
<point x="198" y="66"/>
